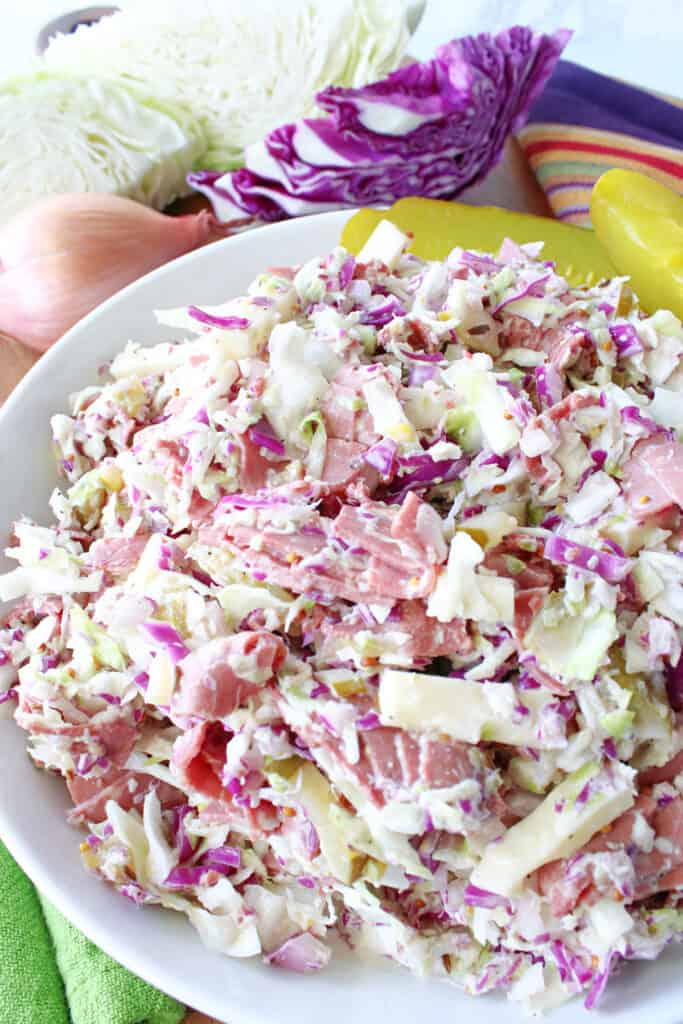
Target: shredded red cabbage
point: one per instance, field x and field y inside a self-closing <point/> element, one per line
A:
<point x="136" y="894"/>
<point x="310" y="838"/>
<point x="185" y="878"/>
<point x="674" y="685"/>
<point x="168" y="637"/>
<point x="181" y="839"/>
<point x="259" y="499"/>
<point x="476" y="897"/>
<point x="534" y="288"/>
<point x="346" y="272"/>
<point x="424" y="471"/>
<point x="229" y="322"/>
<point x="631" y="414"/>
<point x="612" y="568"/>
<point x="383" y="313"/>
<point x="600" y="981"/>
<point x="420" y="373"/>
<point x="368" y="721"/>
<point x="263" y="435"/>
<point x="423" y="357"/>
<point x="480" y="263"/>
<point x="383" y="457"/>
<point x="610" y="748"/>
<point x="523" y="411"/>
<point x="319" y="690"/>
<point x="302" y="953"/>
<point x="222" y="858"/>
<point x="549" y="385"/>
<point x="501" y="461"/>
<point x="626" y="339"/>
<point x="366" y="615"/>
<point x="560" y="957"/>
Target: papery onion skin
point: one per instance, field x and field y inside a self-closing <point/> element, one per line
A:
<point x="63" y="256"/>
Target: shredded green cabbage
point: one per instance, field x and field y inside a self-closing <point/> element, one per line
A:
<point x="66" y="134"/>
<point x="240" y="69"/>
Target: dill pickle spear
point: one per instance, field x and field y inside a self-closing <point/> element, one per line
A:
<point x="438" y="226"/>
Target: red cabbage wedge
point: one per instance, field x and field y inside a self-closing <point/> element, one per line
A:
<point x="427" y="129"/>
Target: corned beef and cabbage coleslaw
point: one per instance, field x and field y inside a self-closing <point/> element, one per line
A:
<point x="361" y="615"/>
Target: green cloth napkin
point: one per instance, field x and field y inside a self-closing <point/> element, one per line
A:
<point x="51" y="974"/>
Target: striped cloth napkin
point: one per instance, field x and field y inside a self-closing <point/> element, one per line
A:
<point x="585" y="123"/>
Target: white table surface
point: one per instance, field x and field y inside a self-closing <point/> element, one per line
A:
<point x="640" y="40"/>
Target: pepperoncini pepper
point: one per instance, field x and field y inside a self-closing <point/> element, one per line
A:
<point x="639" y="223"/>
<point x="438" y="226"/>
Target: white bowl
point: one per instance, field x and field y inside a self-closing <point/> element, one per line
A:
<point x="160" y="945"/>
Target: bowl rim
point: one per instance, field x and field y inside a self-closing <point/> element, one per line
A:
<point x="372" y="986"/>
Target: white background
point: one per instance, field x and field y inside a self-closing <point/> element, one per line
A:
<point x="640" y="40"/>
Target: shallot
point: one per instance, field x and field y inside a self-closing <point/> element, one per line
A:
<point x="66" y="254"/>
